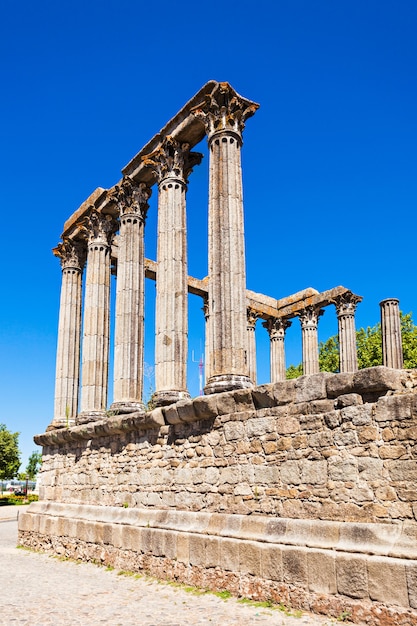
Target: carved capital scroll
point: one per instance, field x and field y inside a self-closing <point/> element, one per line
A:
<point x="173" y="160"/>
<point x="99" y="228"/>
<point x="224" y="110"/>
<point x="72" y="254"/>
<point x="346" y="303"/>
<point x="276" y="327"/>
<point x="132" y="198"/>
<point x="309" y="317"/>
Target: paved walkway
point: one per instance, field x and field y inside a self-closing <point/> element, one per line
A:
<point x="39" y="590"/>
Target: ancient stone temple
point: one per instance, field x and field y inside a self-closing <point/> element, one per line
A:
<point x="299" y="491"/>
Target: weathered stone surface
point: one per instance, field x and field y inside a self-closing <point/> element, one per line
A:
<point x="387" y="581"/>
<point x="378" y="378"/>
<point x="352" y="576"/>
<point x="311" y="387"/>
<point x="321" y="567"/>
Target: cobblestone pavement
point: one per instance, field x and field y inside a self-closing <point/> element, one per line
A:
<point x="40" y="590"/>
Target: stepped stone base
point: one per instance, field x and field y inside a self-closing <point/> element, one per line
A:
<point x="332" y="568"/>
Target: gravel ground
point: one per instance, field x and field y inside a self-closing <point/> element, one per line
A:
<point x="40" y="590"/>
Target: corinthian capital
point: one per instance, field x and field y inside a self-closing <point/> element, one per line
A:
<point x="172" y="160"/>
<point x="132" y="198"/>
<point x="276" y="327"/>
<point x="72" y="254"/>
<point x="346" y="303"/>
<point x="99" y="228"/>
<point x="224" y="110"/>
<point x="310" y="316"/>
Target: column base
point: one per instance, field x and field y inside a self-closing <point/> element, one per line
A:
<point x="227" y="382"/>
<point x="61" y="422"/>
<point x="90" y="416"/>
<point x="127" y="407"/>
<point x="163" y="398"/>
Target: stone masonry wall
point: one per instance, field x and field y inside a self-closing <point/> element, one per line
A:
<point x="301" y="492"/>
<point x="330" y="447"/>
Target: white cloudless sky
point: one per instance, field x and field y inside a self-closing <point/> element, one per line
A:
<point x="329" y="159"/>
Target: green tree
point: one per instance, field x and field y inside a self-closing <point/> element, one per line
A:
<point x="9" y="453"/>
<point x="34" y="464"/>
<point x="294" y="371"/>
<point x="369" y="347"/>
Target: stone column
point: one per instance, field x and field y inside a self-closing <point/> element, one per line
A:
<point x="224" y="114"/>
<point x="207" y="343"/>
<point x="72" y="255"/>
<point x="392" y="348"/>
<point x="309" y="322"/>
<point x="172" y="163"/>
<point x="276" y="327"/>
<point x="345" y="308"/>
<point x="96" y="326"/>
<point x="132" y="202"/>
<point x="252" y="318"/>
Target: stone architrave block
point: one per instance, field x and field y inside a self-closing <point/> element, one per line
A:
<point x="226" y="404"/>
<point x="263" y="396"/>
<point x="294" y="566"/>
<point x="171" y="415"/>
<point x="205" y="407"/>
<point x="373" y="379"/>
<point x="352" y="576"/>
<point x="284" y="392"/>
<point x="271" y="562"/>
<point x="339" y="384"/>
<point x="243" y="400"/>
<point x="185" y="410"/>
<point x="321" y="565"/>
<point x="387" y="581"/>
<point x="156" y="417"/>
<point x="311" y="387"/>
<point x="250" y="558"/>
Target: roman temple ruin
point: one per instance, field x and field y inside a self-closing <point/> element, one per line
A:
<point x="299" y="491"/>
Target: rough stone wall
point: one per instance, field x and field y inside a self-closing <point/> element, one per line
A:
<point x="323" y="447"/>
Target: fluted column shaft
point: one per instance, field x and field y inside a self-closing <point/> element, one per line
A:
<point x="251" y="324"/>
<point x="310" y="345"/>
<point x="72" y="255"/>
<point x="276" y="328"/>
<point x="132" y="201"/>
<point x="392" y="349"/>
<point x="95" y="347"/>
<point x="346" y="307"/>
<point x="172" y="163"/>
<point x="224" y="114"/>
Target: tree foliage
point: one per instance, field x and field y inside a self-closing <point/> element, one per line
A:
<point x="9" y="453"/>
<point x="34" y="464"/>
<point x="369" y="348"/>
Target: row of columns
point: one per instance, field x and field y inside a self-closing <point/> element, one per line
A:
<point x="392" y="354"/>
<point x="230" y="336"/>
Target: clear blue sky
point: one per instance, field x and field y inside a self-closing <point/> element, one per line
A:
<point x="330" y="158"/>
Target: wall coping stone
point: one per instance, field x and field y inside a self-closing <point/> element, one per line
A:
<point x="377" y="380"/>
